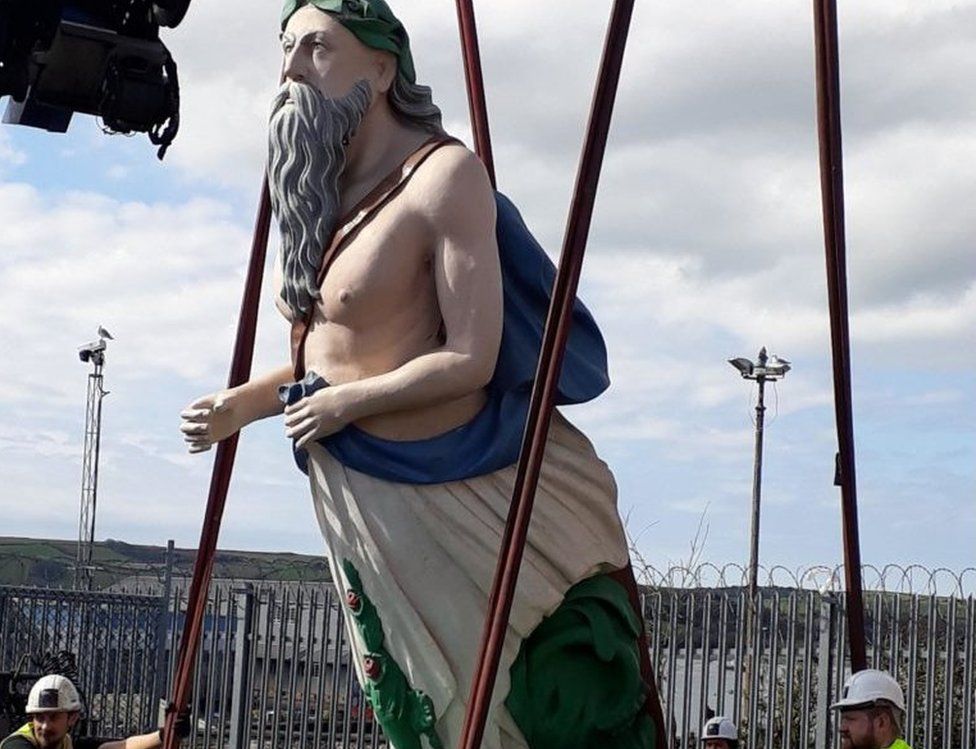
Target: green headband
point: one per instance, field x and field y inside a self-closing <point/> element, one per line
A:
<point x="371" y="21"/>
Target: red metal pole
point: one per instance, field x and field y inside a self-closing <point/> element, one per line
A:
<point x="475" y="84"/>
<point x="832" y="194"/>
<point x="547" y="377"/>
<point x="240" y="371"/>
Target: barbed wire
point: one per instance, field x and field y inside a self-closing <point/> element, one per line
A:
<point x="890" y="578"/>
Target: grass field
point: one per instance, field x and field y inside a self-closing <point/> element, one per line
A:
<point x="50" y="563"/>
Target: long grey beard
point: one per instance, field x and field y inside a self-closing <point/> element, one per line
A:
<point x="307" y="154"/>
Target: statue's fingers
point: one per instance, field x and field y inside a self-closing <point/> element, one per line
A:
<point x="295" y="417"/>
<point x="206" y="403"/>
<point x="294" y="430"/>
<point x="316" y="429"/>
<point x="195" y="414"/>
<point x="198" y="447"/>
<point x="299" y="430"/>
<point x="296" y="406"/>
<point x="193" y="427"/>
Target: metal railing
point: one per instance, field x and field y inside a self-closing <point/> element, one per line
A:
<point x="274" y="669"/>
<point x="112" y="636"/>
<point x="776" y="663"/>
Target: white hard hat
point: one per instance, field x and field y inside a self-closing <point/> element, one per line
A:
<point x="869" y="685"/>
<point x="52" y="694"/>
<point x="719" y="727"/>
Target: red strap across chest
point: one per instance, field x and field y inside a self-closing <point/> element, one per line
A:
<point x="350" y="225"/>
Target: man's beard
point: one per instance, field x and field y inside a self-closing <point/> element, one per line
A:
<point x="864" y="742"/>
<point x="308" y="135"/>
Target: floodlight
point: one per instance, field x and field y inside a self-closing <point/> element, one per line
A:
<point x="743" y="365"/>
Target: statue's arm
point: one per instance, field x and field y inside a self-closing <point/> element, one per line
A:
<point x="216" y="416"/>
<point x="145" y="741"/>
<point x="453" y="192"/>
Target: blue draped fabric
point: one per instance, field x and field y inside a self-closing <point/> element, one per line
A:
<point x="491" y="440"/>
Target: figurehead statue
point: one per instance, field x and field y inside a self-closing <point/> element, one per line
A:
<point x="416" y="298"/>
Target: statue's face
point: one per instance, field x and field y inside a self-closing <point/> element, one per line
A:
<point x="321" y="52"/>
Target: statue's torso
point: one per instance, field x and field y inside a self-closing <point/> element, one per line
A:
<point x="378" y="310"/>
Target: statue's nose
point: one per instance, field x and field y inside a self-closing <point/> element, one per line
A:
<point x="293" y="70"/>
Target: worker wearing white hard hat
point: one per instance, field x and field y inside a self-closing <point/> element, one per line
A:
<point x="719" y="733"/>
<point x="54" y="707"/>
<point x="872" y="712"/>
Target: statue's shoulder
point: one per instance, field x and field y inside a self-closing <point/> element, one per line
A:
<point x="451" y="163"/>
<point x="452" y="182"/>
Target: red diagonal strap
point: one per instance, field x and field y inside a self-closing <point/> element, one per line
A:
<point x="349" y="226"/>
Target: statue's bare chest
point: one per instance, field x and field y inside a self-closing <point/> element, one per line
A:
<point x="386" y="265"/>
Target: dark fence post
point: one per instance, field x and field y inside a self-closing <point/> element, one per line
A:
<point x="240" y="697"/>
<point x="825" y="668"/>
<point x="162" y="627"/>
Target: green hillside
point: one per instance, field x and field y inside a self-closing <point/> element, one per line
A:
<point x="50" y="563"/>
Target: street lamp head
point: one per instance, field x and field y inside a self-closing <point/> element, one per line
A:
<point x="744" y="366"/>
<point x="765" y="368"/>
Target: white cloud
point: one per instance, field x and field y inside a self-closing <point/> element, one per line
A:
<point x="9" y="155"/>
<point x="706" y="244"/>
<point x="165" y="278"/>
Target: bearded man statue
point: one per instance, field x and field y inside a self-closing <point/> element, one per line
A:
<point x="417" y="299"/>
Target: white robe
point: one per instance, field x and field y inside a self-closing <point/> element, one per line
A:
<point x="427" y="553"/>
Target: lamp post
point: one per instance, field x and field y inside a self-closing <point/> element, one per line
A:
<point x="765" y="369"/>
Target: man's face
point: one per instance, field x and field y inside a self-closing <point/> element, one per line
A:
<point x="716" y="744"/>
<point x="858" y="730"/>
<point x="50" y="728"/>
<point x="320" y="51"/>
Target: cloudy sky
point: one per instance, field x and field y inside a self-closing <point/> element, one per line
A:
<point x="706" y="244"/>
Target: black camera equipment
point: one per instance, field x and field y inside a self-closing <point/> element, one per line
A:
<point x="99" y="57"/>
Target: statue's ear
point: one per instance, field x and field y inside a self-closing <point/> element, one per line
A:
<point x="386" y="70"/>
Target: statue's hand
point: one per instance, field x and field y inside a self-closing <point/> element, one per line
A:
<point x="208" y="420"/>
<point x="322" y="413"/>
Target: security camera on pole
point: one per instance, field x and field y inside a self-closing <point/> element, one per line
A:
<point x="93" y="352"/>
<point x="766" y="369"/>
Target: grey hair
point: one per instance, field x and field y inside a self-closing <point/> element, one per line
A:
<point x="307" y="154"/>
<point x="414" y="104"/>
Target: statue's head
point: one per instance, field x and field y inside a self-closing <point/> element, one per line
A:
<point x="342" y="60"/>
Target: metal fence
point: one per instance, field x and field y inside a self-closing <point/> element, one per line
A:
<point x="776" y="663"/>
<point x="273" y="670"/>
<point x="113" y="636"/>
